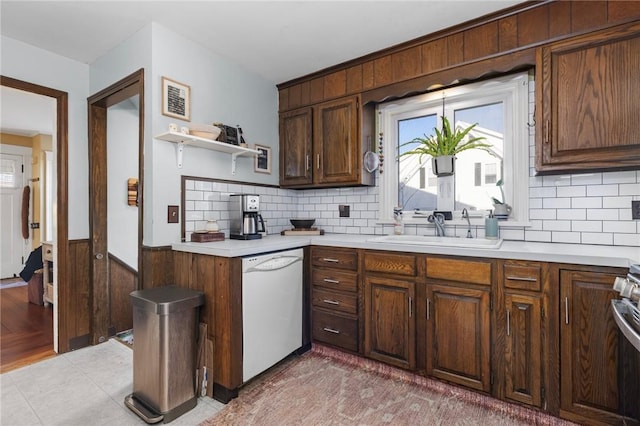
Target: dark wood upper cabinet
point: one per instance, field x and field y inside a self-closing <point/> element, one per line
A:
<point x="296" y="129"/>
<point x="588" y="102"/>
<point x="323" y="145"/>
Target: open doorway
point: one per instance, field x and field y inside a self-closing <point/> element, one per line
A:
<point x="28" y="137"/>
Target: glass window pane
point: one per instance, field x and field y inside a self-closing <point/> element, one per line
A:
<point x="413" y="191"/>
<point x="490" y="126"/>
<point x="9" y="173"/>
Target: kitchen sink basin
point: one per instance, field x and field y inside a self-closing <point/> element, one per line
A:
<point x="430" y="240"/>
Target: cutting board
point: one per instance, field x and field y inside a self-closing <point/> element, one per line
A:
<point x="312" y="231"/>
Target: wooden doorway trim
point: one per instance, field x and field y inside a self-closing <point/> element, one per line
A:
<point x="97" y="114"/>
<point x="65" y="300"/>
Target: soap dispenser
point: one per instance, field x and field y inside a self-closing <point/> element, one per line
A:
<point x="398" y="226"/>
<point x="491" y="227"/>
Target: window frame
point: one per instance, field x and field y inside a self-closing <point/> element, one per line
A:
<point x="512" y="90"/>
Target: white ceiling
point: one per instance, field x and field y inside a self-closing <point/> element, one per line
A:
<point x="279" y="40"/>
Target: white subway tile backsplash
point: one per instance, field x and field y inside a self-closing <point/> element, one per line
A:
<point x="586" y="179"/>
<point x="602" y="190"/>
<point x="556" y="180"/>
<point x="619" y="177"/>
<point x="627" y="227"/>
<point x="571" y="214"/>
<point x="556" y="203"/>
<point x="586" y="203"/>
<point x="548" y="214"/>
<point x="597" y="238"/>
<point x="632" y="189"/>
<point x="565" y="237"/>
<point x="572" y="191"/>
<point x="621" y="202"/>
<point x="602" y="214"/>
<point x="632" y="240"/>
<point x="540" y="236"/>
<point x="586" y="226"/>
<point x="542" y="192"/>
<point x="557" y="225"/>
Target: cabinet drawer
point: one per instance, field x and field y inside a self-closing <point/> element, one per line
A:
<point x="522" y="276"/>
<point x="337" y="280"/>
<point x="334" y="258"/>
<point x="396" y="264"/>
<point x="335" y="330"/>
<point x="466" y="271"/>
<point x="335" y="301"/>
<point x="47" y="252"/>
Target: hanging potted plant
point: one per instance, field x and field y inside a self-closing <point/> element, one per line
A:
<point x="444" y="146"/>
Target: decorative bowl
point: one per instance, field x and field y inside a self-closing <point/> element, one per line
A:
<point x="204" y="131"/>
<point x="302" y="223"/>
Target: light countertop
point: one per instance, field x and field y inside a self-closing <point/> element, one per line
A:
<point x="581" y="254"/>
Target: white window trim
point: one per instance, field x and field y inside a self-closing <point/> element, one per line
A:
<point x="513" y="90"/>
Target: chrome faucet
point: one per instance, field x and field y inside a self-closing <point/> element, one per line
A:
<point x="438" y="220"/>
<point x="465" y="215"/>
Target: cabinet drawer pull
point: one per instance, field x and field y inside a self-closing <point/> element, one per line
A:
<point x="308" y="163"/>
<point x="428" y="308"/>
<point x="329" y="280"/>
<point x="331" y="302"/>
<point x="331" y="330"/>
<point x="529" y="279"/>
<point x="410" y="307"/>
<point x="566" y="310"/>
<point x="508" y="323"/>
<point x="329" y="259"/>
<point x="318" y="161"/>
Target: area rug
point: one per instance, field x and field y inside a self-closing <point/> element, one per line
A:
<point x="11" y="282"/>
<point x="328" y="387"/>
<point x="125" y="337"/>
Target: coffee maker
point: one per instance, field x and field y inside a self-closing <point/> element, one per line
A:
<point x="244" y="215"/>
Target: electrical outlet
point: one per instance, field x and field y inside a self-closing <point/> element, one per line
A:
<point x="635" y="210"/>
<point x="344" y="211"/>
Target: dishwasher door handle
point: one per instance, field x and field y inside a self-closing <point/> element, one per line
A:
<point x="274" y="264"/>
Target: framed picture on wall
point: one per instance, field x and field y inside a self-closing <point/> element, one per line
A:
<point x="176" y="99"/>
<point x="263" y="159"/>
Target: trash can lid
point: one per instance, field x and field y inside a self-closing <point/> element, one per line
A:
<point x="163" y="300"/>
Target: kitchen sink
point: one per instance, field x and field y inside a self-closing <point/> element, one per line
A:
<point x="430" y="240"/>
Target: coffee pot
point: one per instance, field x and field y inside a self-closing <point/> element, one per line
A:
<point x="246" y="222"/>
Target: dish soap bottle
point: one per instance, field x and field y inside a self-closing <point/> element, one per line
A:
<point x="491" y="227"/>
<point x="398" y="226"/>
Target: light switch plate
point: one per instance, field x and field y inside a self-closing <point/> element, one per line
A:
<point x="635" y="210"/>
<point x="344" y="211"/>
<point x="172" y="214"/>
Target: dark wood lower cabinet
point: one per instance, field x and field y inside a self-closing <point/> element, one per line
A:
<point x="589" y="339"/>
<point x="523" y="349"/>
<point x="458" y="335"/>
<point x="390" y="322"/>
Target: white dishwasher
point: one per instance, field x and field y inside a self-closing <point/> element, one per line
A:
<point x="271" y="309"/>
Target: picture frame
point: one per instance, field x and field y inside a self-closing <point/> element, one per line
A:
<point x="176" y="99"/>
<point x="263" y="159"/>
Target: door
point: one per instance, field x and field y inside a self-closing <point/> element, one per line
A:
<point x="14" y="248"/>
<point x="336" y="142"/>
<point x="110" y="304"/>
<point x="589" y="347"/>
<point x="295" y="147"/>
<point x="458" y="331"/>
<point x="523" y="348"/>
<point x="390" y="321"/>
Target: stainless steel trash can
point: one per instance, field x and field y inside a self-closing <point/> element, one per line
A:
<point x="165" y="330"/>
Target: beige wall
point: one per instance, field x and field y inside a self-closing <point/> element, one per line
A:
<point x="8" y="139"/>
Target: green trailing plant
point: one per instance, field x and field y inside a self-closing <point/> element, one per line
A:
<point x="446" y="142"/>
<point x="499" y="184"/>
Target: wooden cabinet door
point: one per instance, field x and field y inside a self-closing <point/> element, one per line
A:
<point x="458" y="333"/>
<point x="523" y="349"/>
<point x="588" y="96"/>
<point x="589" y="348"/>
<point x="390" y="321"/>
<point x="296" y="147"/>
<point x="336" y="157"/>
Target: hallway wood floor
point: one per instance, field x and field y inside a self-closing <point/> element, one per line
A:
<point x="26" y="335"/>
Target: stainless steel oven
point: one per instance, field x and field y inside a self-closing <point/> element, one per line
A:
<point x="626" y="312"/>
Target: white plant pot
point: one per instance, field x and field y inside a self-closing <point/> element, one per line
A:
<point x="443" y="165"/>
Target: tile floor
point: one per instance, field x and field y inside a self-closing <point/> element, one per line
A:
<point x="83" y="387"/>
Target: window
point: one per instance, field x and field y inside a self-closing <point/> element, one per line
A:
<point x="500" y="107"/>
